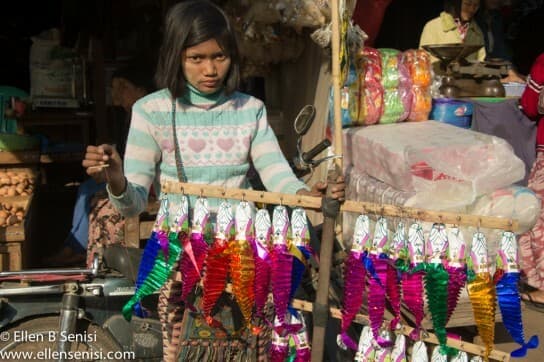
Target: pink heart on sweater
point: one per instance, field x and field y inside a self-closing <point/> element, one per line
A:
<point x="197" y="145"/>
<point x="225" y="143"/>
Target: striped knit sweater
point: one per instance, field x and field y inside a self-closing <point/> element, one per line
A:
<point x="217" y="136"/>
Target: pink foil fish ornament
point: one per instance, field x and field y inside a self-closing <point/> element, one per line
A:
<point x="456" y="268"/>
<point x="419" y="352"/>
<point x="398" y="354"/>
<point x="263" y="262"/>
<point x="354" y="280"/>
<point x="365" y="348"/>
<point x="302" y="344"/>
<point x="194" y="249"/>
<point x="376" y="275"/>
<point x="282" y="262"/>
<point x="279" y="348"/>
<point x="412" y="282"/>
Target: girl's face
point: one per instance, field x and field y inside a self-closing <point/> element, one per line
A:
<point x="205" y="66"/>
<point x="469" y="9"/>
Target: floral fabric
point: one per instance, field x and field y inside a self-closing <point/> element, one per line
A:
<point x="531" y="243"/>
<point x="106" y="225"/>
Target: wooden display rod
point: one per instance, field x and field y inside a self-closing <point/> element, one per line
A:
<point x="406" y="330"/>
<point x="468" y="347"/>
<point x="312" y="202"/>
<point x="490" y="222"/>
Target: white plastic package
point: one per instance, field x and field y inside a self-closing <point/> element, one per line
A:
<point x="442" y="164"/>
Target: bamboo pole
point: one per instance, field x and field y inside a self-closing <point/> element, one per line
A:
<point x="311" y="202"/>
<point x="335" y="55"/>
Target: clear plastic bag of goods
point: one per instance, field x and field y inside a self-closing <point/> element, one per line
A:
<point x="443" y="164"/>
<point x="418" y="63"/>
<point x="421" y="104"/>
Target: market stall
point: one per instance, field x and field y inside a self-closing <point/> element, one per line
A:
<point x="422" y="270"/>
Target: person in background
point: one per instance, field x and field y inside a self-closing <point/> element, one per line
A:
<point x="531" y="243"/>
<point x="490" y="19"/>
<point x="197" y="128"/>
<point x="95" y="222"/>
<point x="455" y="24"/>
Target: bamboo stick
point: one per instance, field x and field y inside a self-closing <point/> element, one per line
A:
<point x="312" y="202"/>
<point x="335" y="55"/>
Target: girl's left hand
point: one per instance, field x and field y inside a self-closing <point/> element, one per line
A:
<point x="319" y="189"/>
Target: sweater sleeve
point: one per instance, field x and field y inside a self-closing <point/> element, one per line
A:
<point x="268" y="158"/>
<point x="141" y="158"/>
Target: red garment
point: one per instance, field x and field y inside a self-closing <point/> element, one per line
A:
<point x="531" y="243"/>
<point x="529" y="98"/>
<point x="368" y="14"/>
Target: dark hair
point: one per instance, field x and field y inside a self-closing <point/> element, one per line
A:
<point x="139" y="71"/>
<point x="187" y="24"/>
<point x="453" y="7"/>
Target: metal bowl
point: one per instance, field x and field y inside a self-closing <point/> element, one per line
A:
<point x="450" y="52"/>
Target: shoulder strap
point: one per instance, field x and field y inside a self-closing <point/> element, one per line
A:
<point x="179" y="163"/>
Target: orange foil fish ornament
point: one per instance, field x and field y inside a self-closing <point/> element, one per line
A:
<point x="242" y="262"/>
<point x="481" y="291"/>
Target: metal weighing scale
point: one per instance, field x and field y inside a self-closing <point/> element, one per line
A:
<point x="463" y="78"/>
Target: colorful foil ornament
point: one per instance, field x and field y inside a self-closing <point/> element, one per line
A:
<point x="412" y="282"/>
<point x="376" y="266"/>
<point x="383" y="354"/>
<point x="302" y="344"/>
<point x="279" y="348"/>
<point x="507" y="280"/>
<point x="436" y="284"/>
<point x="354" y="281"/>
<point x="438" y="356"/>
<point x="393" y="276"/>
<point x="242" y="262"/>
<point x="299" y="248"/>
<point x="365" y="348"/>
<point x="217" y="262"/>
<point x="282" y="262"/>
<point x="263" y="262"/>
<point x="398" y="354"/>
<point x="419" y="352"/>
<point x="195" y="249"/>
<point x="456" y="268"/>
<point x="461" y="357"/>
<point x="154" y="268"/>
<point x="481" y="291"/>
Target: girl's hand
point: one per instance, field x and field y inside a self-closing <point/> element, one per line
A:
<point x="105" y="160"/>
<point x="320" y="188"/>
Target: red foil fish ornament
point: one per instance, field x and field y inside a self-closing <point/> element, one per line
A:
<point x="217" y="262"/>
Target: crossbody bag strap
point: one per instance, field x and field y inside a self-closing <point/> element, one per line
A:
<point x="179" y="163"/>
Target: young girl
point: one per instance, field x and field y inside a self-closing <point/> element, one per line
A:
<point x="455" y="24"/>
<point x="197" y="128"/>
